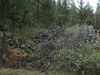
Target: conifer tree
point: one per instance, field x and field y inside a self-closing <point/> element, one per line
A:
<point x="81" y="12"/>
<point x="73" y="14"/>
<point x="65" y="11"/>
<point x="88" y="14"/>
<point x="97" y="17"/>
<point x="58" y="14"/>
<point x="14" y="16"/>
<point x="46" y="15"/>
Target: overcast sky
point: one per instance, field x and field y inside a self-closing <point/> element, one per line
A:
<point x="93" y="3"/>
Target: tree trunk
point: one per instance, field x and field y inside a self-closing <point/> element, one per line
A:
<point x="3" y="48"/>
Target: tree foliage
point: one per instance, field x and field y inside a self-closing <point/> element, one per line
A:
<point x="97" y="17"/>
<point x="45" y="13"/>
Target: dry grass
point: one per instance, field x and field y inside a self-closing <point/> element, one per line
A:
<point x="25" y="72"/>
<point x="17" y="72"/>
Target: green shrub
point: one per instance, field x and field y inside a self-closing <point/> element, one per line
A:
<point x="84" y="61"/>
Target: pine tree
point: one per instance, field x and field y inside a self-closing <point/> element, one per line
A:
<point x="81" y="12"/>
<point x="85" y="13"/>
<point x="14" y="16"/>
<point x="88" y="14"/>
<point x="97" y="17"/>
<point x="46" y="16"/>
<point x="62" y="12"/>
<point x="73" y="14"/>
<point x="58" y="13"/>
<point x="17" y="14"/>
<point x="53" y="11"/>
<point x="36" y="11"/>
<point x="65" y="11"/>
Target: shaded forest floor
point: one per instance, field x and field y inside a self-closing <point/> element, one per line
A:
<point x="25" y="72"/>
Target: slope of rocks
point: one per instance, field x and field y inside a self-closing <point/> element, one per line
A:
<point x="43" y="44"/>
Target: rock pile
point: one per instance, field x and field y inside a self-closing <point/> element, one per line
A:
<point x="77" y="36"/>
<point x="46" y="42"/>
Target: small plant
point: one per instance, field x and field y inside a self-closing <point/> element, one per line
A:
<point x="83" y="61"/>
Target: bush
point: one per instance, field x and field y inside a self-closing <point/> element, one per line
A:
<point x="83" y="61"/>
